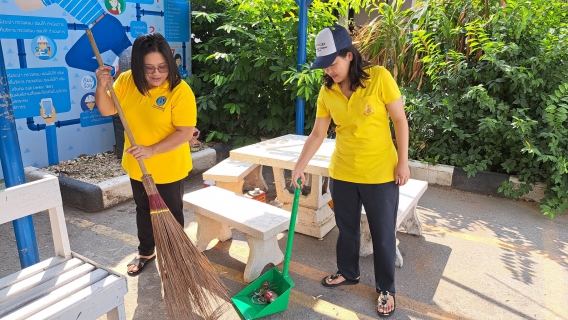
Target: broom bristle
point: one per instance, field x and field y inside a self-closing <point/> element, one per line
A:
<point x="192" y="287"/>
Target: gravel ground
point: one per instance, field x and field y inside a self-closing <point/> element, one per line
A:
<point x="92" y="169"/>
<point x="96" y="168"/>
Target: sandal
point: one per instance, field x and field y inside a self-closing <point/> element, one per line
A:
<point x="140" y="263"/>
<point x="193" y="142"/>
<point x="335" y="276"/>
<point x="383" y="299"/>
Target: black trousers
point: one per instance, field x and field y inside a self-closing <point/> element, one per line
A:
<point x="172" y="194"/>
<point x="381" y="206"/>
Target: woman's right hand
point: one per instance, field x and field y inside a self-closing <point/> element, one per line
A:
<point x="298" y="173"/>
<point x="103" y="76"/>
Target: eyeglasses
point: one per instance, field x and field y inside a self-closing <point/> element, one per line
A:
<point x="151" y="69"/>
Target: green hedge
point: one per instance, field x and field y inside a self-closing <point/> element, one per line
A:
<point x="486" y="87"/>
<point x="244" y="68"/>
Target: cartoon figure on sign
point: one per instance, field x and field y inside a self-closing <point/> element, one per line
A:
<point x="90" y="102"/>
<point x="91" y="115"/>
<point x="177" y="57"/>
<point x="107" y="30"/>
<point x="43" y="50"/>
<point x="115" y="6"/>
<point x="183" y="73"/>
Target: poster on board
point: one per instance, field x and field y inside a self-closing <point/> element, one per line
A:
<point x="50" y="66"/>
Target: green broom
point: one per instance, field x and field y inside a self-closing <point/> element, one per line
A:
<point x="191" y="284"/>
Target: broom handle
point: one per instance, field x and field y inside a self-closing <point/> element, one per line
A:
<point x="115" y="100"/>
<point x="291" y="229"/>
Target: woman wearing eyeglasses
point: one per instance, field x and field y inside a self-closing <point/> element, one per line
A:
<point x="161" y="112"/>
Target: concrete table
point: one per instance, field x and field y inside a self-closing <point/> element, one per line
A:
<point x="315" y="217"/>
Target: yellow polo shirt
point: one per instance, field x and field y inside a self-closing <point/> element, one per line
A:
<point x="364" y="151"/>
<point x="151" y="119"/>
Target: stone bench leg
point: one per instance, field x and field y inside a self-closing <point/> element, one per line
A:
<point x="366" y="247"/>
<point x="236" y="187"/>
<point x="255" y="179"/>
<point x="411" y="224"/>
<point x="261" y="253"/>
<point x="398" y="260"/>
<point x="208" y="230"/>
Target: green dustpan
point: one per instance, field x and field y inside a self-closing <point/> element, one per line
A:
<point x="251" y="308"/>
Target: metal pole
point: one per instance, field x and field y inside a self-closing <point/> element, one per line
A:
<point x="13" y="169"/>
<point x="302" y="38"/>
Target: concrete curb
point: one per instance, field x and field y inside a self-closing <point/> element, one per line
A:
<point x="96" y="197"/>
<point x="487" y="183"/>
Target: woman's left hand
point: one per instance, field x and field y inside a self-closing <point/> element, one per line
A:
<point x="401" y="173"/>
<point x="140" y="152"/>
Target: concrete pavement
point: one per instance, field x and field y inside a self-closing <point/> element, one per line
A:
<point x="479" y="258"/>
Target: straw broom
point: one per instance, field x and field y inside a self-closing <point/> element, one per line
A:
<point x="191" y="284"/>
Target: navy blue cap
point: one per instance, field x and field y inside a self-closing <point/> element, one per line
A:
<point x="329" y="42"/>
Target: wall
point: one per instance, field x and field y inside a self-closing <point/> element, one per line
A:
<point x="50" y="66"/>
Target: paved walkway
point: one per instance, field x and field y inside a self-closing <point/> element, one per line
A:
<point x="479" y="258"/>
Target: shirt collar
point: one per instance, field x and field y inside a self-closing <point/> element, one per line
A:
<point x="165" y="85"/>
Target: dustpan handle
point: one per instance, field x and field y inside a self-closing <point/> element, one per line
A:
<point x="291" y="229"/>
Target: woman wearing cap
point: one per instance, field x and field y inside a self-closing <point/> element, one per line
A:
<point x="365" y="167"/>
<point x="161" y="111"/>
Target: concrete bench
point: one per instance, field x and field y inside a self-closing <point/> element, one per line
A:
<point x="236" y="175"/>
<point x="66" y="286"/>
<point x="217" y="210"/>
<point x="406" y="220"/>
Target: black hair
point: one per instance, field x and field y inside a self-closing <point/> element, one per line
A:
<point x="357" y="68"/>
<point x="145" y="44"/>
<point x="177" y="56"/>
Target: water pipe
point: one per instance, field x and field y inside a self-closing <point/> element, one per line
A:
<point x="13" y="168"/>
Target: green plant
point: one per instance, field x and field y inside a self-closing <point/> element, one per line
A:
<point x="244" y="68"/>
<point x="486" y="87"/>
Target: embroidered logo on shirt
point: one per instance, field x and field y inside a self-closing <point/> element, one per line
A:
<point x="160" y="102"/>
<point x="368" y="110"/>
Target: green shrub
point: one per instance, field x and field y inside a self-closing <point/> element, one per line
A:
<point x="486" y="88"/>
<point x="244" y="68"/>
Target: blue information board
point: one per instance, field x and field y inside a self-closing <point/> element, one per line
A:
<point x="51" y="68"/>
<point x="23" y="27"/>
<point x="93" y="118"/>
<point x="176" y="20"/>
<point x="35" y="88"/>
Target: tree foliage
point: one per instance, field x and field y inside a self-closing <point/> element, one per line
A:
<point x="244" y="68"/>
<point x="486" y="86"/>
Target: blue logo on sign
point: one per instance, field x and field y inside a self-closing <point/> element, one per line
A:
<point x="161" y="101"/>
<point x="88" y="82"/>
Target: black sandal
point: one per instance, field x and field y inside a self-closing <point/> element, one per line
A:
<point x="140" y="263"/>
<point x="383" y="299"/>
<point x="342" y="283"/>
